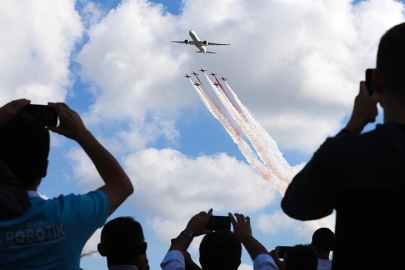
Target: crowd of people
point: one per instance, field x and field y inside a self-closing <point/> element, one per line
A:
<point x="358" y="174"/>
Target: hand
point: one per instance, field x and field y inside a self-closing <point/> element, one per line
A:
<point x="142" y="262"/>
<point x="279" y="263"/>
<point x="241" y="226"/>
<point x="364" y="111"/>
<point x="70" y="123"/>
<point x="10" y="110"/>
<point x="197" y="223"/>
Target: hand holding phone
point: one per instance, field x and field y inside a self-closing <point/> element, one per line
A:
<point x="282" y="250"/>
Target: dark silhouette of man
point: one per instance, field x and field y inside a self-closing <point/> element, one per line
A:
<point x="361" y="175"/>
<point x="123" y="243"/>
<point x="323" y="241"/>
<point x="52" y="233"/>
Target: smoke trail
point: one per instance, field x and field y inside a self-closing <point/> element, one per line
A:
<point x="242" y="145"/>
<point x="276" y="161"/>
<point x="244" y="124"/>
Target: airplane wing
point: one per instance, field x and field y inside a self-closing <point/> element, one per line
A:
<point x="191" y="42"/>
<point x="217" y="44"/>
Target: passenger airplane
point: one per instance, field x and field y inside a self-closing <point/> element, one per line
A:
<point x="200" y="44"/>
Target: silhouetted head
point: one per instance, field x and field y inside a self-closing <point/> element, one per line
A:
<point x="323" y="240"/>
<point x="302" y="257"/>
<point x="24" y="146"/>
<point x="391" y="60"/>
<point x="122" y="241"/>
<point x="220" y="250"/>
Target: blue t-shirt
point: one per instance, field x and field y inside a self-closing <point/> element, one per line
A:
<point x="52" y="234"/>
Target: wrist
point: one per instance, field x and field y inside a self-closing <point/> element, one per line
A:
<point x="84" y="138"/>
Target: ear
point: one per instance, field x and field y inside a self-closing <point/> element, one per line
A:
<point x="101" y="250"/>
<point x="44" y="169"/>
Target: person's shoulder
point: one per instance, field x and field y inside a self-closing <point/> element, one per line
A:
<point x="96" y="195"/>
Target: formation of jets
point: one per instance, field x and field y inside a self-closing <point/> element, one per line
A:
<point x="204" y="70"/>
<point x="200" y="44"/>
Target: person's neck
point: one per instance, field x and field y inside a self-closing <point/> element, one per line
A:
<point x="323" y="255"/>
<point x="394" y="111"/>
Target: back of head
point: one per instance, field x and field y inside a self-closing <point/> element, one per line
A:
<point x="302" y="257"/>
<point x="122" y="240"/>
<point x="323" y="240"/>
<point x="24" y="146"/>
<point x="220" y="250"/>
<point x="391" y="59"/>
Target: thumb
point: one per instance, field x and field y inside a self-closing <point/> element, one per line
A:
<point x="53" y="129"/>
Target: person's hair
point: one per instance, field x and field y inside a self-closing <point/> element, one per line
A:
<point x="122" y="240"/>
<point x="391" y="59"/>
<point x="220" y="250"/>
<point x="302" y="257"/>
<point x="24" y="146"/>
<point x="323" y="240"/>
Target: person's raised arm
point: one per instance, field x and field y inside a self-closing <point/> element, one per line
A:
<point x="117" y="186"/>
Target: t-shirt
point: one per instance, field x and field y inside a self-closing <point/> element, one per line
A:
<point x="52" y="234"/>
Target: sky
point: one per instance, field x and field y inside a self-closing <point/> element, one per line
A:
<point x="295" y="65"/>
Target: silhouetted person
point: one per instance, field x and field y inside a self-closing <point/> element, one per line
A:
<point x="299" y="257"/>
<point x="361" y="176"/>
<point x="123" y="243"/>
<point x="220" y="249"/>
<point x="323" y="241"/>
<point x="52" y="233"/>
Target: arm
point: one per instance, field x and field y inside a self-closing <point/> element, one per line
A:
<point x="243" y="231"/>
<point x="117" y="184"/>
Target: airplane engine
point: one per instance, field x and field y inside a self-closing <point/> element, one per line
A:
<point x="205" y="43"/>
<point x="186" y="41"/>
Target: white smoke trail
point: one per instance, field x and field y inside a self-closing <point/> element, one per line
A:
<point x="242" y="144"/>
<point x="250" y="133"/>
<point x="274" y="158"/>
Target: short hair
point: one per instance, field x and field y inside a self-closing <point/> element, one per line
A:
<point x="220" y="250"/>
<point x="323" y="240"/>
<point x="391" y="59"/>
<point x="24" y="146"/>
<point x="122" y="239"/>
<point x="302" y="257"/>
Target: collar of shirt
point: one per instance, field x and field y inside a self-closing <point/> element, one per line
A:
<point x="123" y="267"/>
<point x="35" y="194"/>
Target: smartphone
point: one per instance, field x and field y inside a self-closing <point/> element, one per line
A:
<point x="369" y="81"/>
<point x="282" y="250"/>
<point x="217" y="223"/>
<point x="43" y="113"/>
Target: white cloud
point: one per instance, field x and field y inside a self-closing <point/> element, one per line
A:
<point x="295" y="65"/>
<point x="37" y="40"/>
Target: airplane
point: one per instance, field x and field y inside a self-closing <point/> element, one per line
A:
<point x="213" y="74"/>
<point x="216" y="84"/>
<point x="202" y="70"/>
<point x="200" y="44"/>
<point x="194" y="73"/>
<point x="187" y="76"/>
<point x="223" y="78"/>
<point x="197" y="84"/>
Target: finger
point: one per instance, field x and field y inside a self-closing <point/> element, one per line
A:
<point x="233" y="221"/>
<point x="247" y="220"/>
<point x="363" y="89"/>
<point x="54" y="129"/>
<point x="210" y="212"/>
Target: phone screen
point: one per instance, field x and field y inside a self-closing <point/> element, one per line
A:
<point x="42" y="113"/>
<point x="369" y="81"/>
<point x="218" y="223"/>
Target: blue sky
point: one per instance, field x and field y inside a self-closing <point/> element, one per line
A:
<point x="295" y="66"/>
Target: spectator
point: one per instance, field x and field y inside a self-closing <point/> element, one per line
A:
<point x="219" y="249"/>
<point x="323" y="241"/>
<point x="51" y="235"/>
<point x="361" y="176"/>
<point x="123" y="243"/>
<point x="299" y="257"/>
